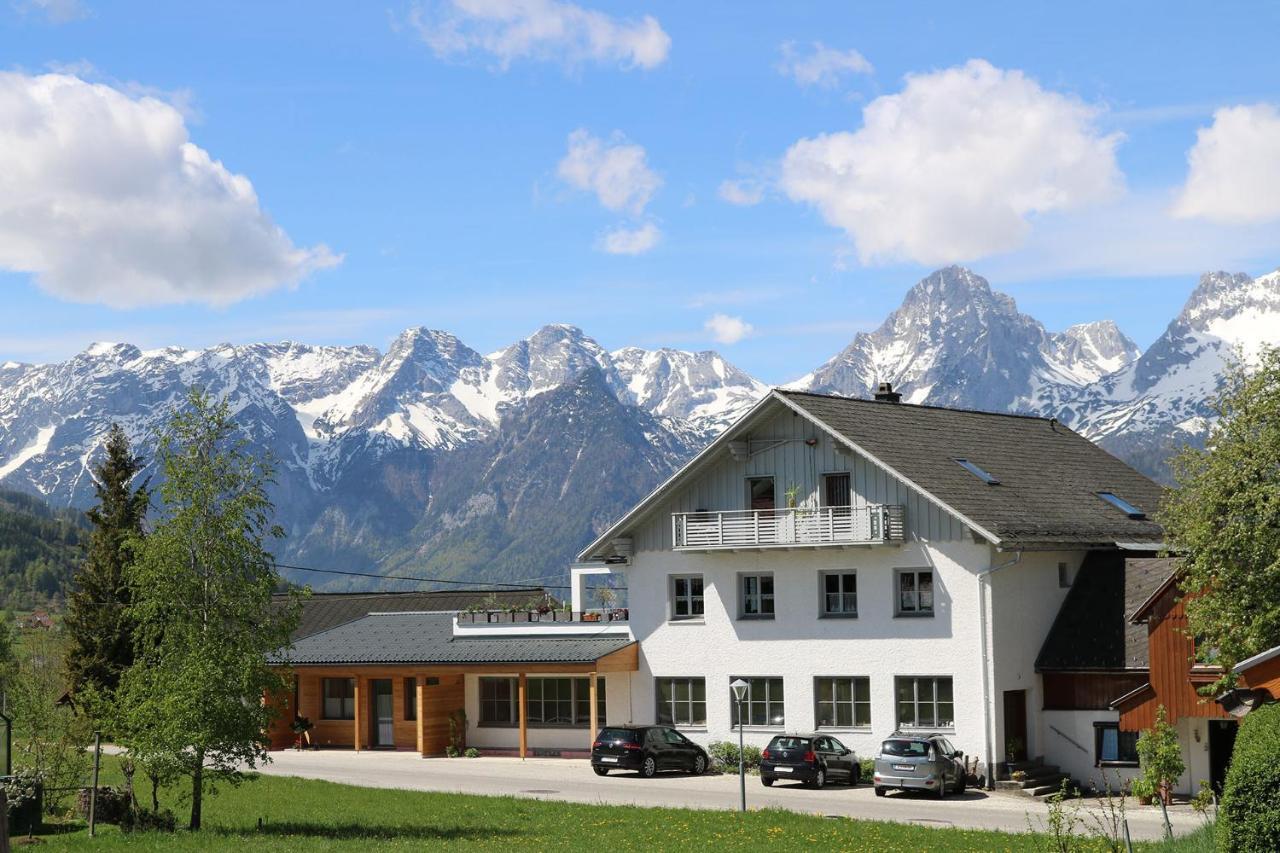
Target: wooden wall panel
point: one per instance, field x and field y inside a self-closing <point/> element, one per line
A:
<point x="441" y="700"/>
<point x="1265" y="675"/>
<point x="1093" y="691"/>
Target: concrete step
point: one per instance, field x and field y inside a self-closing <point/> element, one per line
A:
<point x="1043" y="791"/>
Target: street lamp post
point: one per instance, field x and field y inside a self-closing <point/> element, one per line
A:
<point x="739" y="693"/>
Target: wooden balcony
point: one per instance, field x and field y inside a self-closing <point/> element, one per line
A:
<point x="799" y="527"/>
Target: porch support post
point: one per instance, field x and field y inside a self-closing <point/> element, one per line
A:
<point x="522" y="699"/>
<point x="420" y="688"/>
<point x="595" y="722"/>
<point x="358" y="717"/>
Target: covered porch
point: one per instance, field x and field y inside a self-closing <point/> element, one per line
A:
<point x="403" y="681"/>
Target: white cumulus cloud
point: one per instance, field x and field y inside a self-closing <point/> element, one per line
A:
<point x="1234" y="168"/>
<point x="727" y="330"/>
<point x="743" y="192"/>
<point x="820" y="65"/>
<point x="617" y="171"/>
<point x="952" y="167"/>
<point x="510" y="30"/>
<point x="104" y="198"/>
<point x="624" y="240"/>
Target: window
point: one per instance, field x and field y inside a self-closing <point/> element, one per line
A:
<point x="682" y="701"/>
<point x="411" y="698"/>
<point x="760" y="493"/>
<point x="839" y="594"/>
<point x="915" y="592"/>
<point x="1122" y="505"/>
<point x="757" y="596"/>
<point x="498" y="702"/>
<point x="925" y="702"/>
<point x="842" y="702"/>
<point x="835" y="490"/>
<point x="339" y="698"/>
<point x="977" y="472"/>
<point x="1114" y="747"/>
<point x="762" y="705"/>
<point x="549" y="703"/>
<point x="686" y="597"/>
<point x="1064" y="576"/>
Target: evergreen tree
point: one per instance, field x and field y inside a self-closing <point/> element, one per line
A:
<point x="97" y="621"/>
<point x="1223" y="522"/>
<point x="202" y="588"/>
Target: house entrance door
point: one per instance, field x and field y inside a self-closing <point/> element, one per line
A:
<point x="383" y="713"/>
<point x="1015" y="725"/>
<point x="1222" y="739"/>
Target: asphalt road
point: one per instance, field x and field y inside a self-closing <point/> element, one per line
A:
<point x="572" y="780"/>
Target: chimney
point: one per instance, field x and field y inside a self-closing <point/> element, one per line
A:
<point x="886" y="394"/>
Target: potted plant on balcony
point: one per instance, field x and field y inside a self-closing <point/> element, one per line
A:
<point x="608" y="598"/>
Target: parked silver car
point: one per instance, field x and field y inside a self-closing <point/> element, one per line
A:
<point x="923" y="762"/>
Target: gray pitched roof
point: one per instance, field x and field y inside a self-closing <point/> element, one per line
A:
<point x="427" y="638"/>
<point x="324" y="610"/>
<point x="1049" y="475"/>
<point x="1092" y="630"/>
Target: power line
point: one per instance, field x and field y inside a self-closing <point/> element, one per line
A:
<point x="514" y="586"/>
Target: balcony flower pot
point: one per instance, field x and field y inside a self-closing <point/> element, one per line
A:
<point x="590" y="617"/>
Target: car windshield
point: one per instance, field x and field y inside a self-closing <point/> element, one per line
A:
<point x="615" y="735"/>
<point x="905" y="748"/>
<point x="789" y="743"/>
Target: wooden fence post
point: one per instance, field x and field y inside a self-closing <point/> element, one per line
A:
<point x="93" y="792"/>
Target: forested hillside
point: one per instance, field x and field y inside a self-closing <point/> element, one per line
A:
<point x="40" y="548"/>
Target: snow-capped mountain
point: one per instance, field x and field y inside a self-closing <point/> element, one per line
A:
<point x="1146" y="410"/>
<point x="956" y="342"/>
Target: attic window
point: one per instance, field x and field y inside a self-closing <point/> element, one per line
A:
<point x="977" y="472"/>
<point x="1121" y="504"/>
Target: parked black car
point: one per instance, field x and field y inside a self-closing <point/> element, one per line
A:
<point x="647" y="749"/>
<point x="812" y="759"/>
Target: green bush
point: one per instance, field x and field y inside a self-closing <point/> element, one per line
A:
<point x="867" y="767"/>
<point x="1249" y="817"/>
<point x="724" y="754"/>
<point x="472" y="752"/>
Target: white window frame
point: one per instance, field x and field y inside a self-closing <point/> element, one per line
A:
<point x="674" y="599"/>
<point x="917" y="613"/>
<point x="768" y="701"/>
<point x="760" y="596"/>
<point x="823" y="611"/>
<point x="916" y="703"/>
<point x="673" y="705"/>
<point x="853" y="703"/>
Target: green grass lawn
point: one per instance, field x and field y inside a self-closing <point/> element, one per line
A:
<point x="307" y="815"/>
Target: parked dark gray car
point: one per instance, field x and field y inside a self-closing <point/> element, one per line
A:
<point x="812" y="759"/>
<point x="922" y="762"/>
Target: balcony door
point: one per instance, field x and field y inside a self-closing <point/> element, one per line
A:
<point x="760" y="498"/>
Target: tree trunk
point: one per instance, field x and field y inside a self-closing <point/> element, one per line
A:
<point x="197" y="790"/>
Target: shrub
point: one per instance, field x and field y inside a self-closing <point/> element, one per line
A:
<point x="1161" y="755"/>
<point x="472" y="752"/>
<point x="451" y="751"/>
<point x="724" y="753"/>
<point x="145" y="820"/>
<point x="1249" y="816"/>
<point x="868" y="768"/>
<point x="24" y="793"/>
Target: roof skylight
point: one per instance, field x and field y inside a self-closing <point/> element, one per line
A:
<point x="977" y="472"/>
<point x="1121" y="504"/>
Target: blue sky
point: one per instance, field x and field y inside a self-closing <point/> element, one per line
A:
<point x="418" y="160"/>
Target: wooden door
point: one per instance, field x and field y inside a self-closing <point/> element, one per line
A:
<point x="1015" y="725"/>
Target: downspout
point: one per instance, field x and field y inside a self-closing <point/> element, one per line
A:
<point x="989" y="735"/>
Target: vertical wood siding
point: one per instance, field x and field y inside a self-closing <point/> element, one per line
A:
<point x="723" y="486"/>
<point x="441" y="700"/>
<point x="1093" y="691"/>
<point x="1171" y="654"/>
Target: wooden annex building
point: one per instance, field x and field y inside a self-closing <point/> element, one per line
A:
<point x="385" y="671"/>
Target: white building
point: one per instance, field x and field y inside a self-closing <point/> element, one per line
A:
<point x="870" y="566"/>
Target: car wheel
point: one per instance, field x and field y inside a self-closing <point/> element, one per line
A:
<point x="961" y="784"/>
<point x="699" y="765"/>
<point x="766" y="781"/>
<point x="942" y="787"/>
<point x="649" y="768"/>
<point x="600" y="771"/>
<point x="880" y="792"/>
<point x="855" y="777"/>
<point x="819" y="779"/>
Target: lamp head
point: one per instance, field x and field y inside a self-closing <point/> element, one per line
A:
<point x="739" y="688"/>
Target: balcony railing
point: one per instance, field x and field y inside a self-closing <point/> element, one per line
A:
<point x="770" y="528"/>
<point x="537" y="617"/>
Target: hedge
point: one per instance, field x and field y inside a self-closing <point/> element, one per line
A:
<point x="1249" y="817"/>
